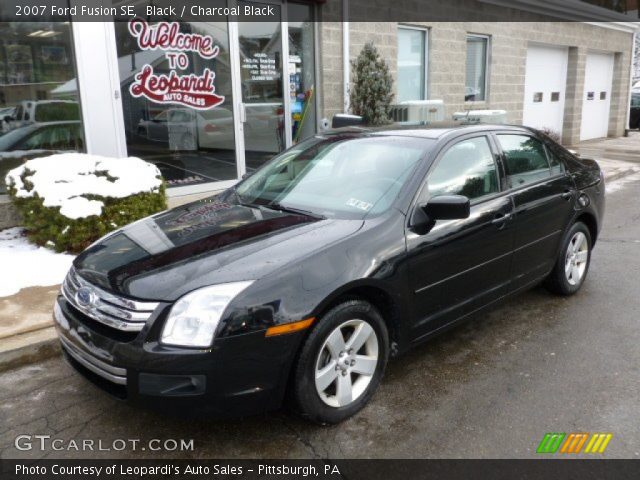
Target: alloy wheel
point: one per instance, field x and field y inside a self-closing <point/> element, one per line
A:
<point x="346" y="363"/>
<point x="576" y="258"/>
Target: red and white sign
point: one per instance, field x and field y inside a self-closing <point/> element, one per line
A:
<point x="191" y="90"/>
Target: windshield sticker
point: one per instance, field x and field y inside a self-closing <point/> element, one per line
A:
<point x="359" y="204"/>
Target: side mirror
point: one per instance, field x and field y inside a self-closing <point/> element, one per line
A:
<point x="441" y="207"/>
<point x="340" y="120"/>
<point x="448" y="207"/>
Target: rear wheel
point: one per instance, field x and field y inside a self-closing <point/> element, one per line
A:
<point x="572" y="264"/>
<point x="341" y="363"/>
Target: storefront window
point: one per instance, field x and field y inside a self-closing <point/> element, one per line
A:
<point x="261" y="80"/>
<point x="177" y="98"/>
<point x="39" y="109"/>
<point x="302" y="87"/>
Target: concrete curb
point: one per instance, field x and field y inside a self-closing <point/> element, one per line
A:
<point x="28" y="348"/>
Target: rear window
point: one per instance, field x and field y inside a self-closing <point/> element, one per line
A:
<point x="525" y="160"/>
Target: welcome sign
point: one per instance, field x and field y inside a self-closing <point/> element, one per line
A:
<point x="191" y="90"/>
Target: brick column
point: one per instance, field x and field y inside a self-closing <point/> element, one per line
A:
<point x="619" y="95"/>
<point x="330" y="58"/>
<point x="574" y="95"/>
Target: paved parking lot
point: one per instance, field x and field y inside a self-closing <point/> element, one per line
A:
<point x="489" y="389"/>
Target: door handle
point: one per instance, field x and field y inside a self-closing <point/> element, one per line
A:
<point x="501" y="218"/>
<point x="568" y="194"/>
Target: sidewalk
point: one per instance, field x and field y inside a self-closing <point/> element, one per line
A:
<point x="26" y="326"/>
<point x="618" y="157"/>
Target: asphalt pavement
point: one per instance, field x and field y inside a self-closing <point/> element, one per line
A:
<point x="489" y="389"/>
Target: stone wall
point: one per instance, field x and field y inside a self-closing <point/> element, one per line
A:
<point x="508" y="53"/>
<point x="9" y="216"/>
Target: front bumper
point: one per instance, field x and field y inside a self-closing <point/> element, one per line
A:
<point x="239" y="375"/>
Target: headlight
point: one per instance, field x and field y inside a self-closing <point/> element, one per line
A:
<point x="193" y="319"/>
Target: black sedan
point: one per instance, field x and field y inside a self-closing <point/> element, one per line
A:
<point x="302" y="281"/>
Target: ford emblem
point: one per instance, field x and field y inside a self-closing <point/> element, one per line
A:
<point x="85" y="297"/>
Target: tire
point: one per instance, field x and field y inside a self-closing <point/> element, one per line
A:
<point x="321" y="353"/>
<point x="572" y="265"/>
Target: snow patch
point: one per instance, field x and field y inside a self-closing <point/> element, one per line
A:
<point x="65" y="180"/>
<point x="80" y="207"/>
<point x="27" y="265"/>
<point x="619" y="184"/>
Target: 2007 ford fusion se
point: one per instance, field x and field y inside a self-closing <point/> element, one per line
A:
<point x="302" y="280"/>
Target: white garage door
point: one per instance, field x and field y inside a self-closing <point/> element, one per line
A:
<point x="597" y="96"/>
<point x="544" y="87"/>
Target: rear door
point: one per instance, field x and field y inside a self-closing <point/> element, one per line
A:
<point x="543" y="195"/>
<point x="461" y="265"/>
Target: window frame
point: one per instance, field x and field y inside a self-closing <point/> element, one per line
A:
<point x="425" y="59"/>
<point x="424" y="185"/>
<point x="503" y="160"/>
<point x="487" y="66"/>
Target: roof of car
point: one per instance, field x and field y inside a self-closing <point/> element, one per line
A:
<point x="433" y="130"/>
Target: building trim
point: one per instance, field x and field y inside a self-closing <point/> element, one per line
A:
<point x="346" y="65"/>
<point x="628" y="27"/>
<point x="565" y="9"/>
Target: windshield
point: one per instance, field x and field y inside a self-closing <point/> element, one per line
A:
<point x="337" y="176"/>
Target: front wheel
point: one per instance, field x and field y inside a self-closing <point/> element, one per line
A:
<point x="572" y="264"/>
<point x="341" y="363"/>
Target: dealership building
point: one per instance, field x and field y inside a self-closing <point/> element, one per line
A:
<point x="256" y="88"/>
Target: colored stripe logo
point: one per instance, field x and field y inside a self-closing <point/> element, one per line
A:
<point x="574" y="442"/>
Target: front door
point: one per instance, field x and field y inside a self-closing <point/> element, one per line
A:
<point x="461" y="265"/>
<point x="261" y="81"/>
<point x="187" y="132"/>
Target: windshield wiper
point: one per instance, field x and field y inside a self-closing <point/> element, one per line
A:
<point x="283" y="208"/>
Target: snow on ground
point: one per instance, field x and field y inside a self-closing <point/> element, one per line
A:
<point x="27" y="265"/>
<point x="63" y="180"/>
<point x="621" y="183"/>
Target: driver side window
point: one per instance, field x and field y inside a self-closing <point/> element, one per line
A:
<point x="467" y="168"/>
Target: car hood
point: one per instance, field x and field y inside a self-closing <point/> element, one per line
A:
<point x="203" y="243"/>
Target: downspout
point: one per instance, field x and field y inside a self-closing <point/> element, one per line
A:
<point x="346" y="66"/>
<point x="634" y="51"/>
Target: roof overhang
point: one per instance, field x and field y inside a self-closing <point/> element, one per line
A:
<point x="576" y="10"/>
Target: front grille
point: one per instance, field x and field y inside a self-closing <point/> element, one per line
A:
<point x="112" y="310"/>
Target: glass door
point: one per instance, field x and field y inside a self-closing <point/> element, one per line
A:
<point x="260" y="50"/>
<point x="178" y="101"/>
